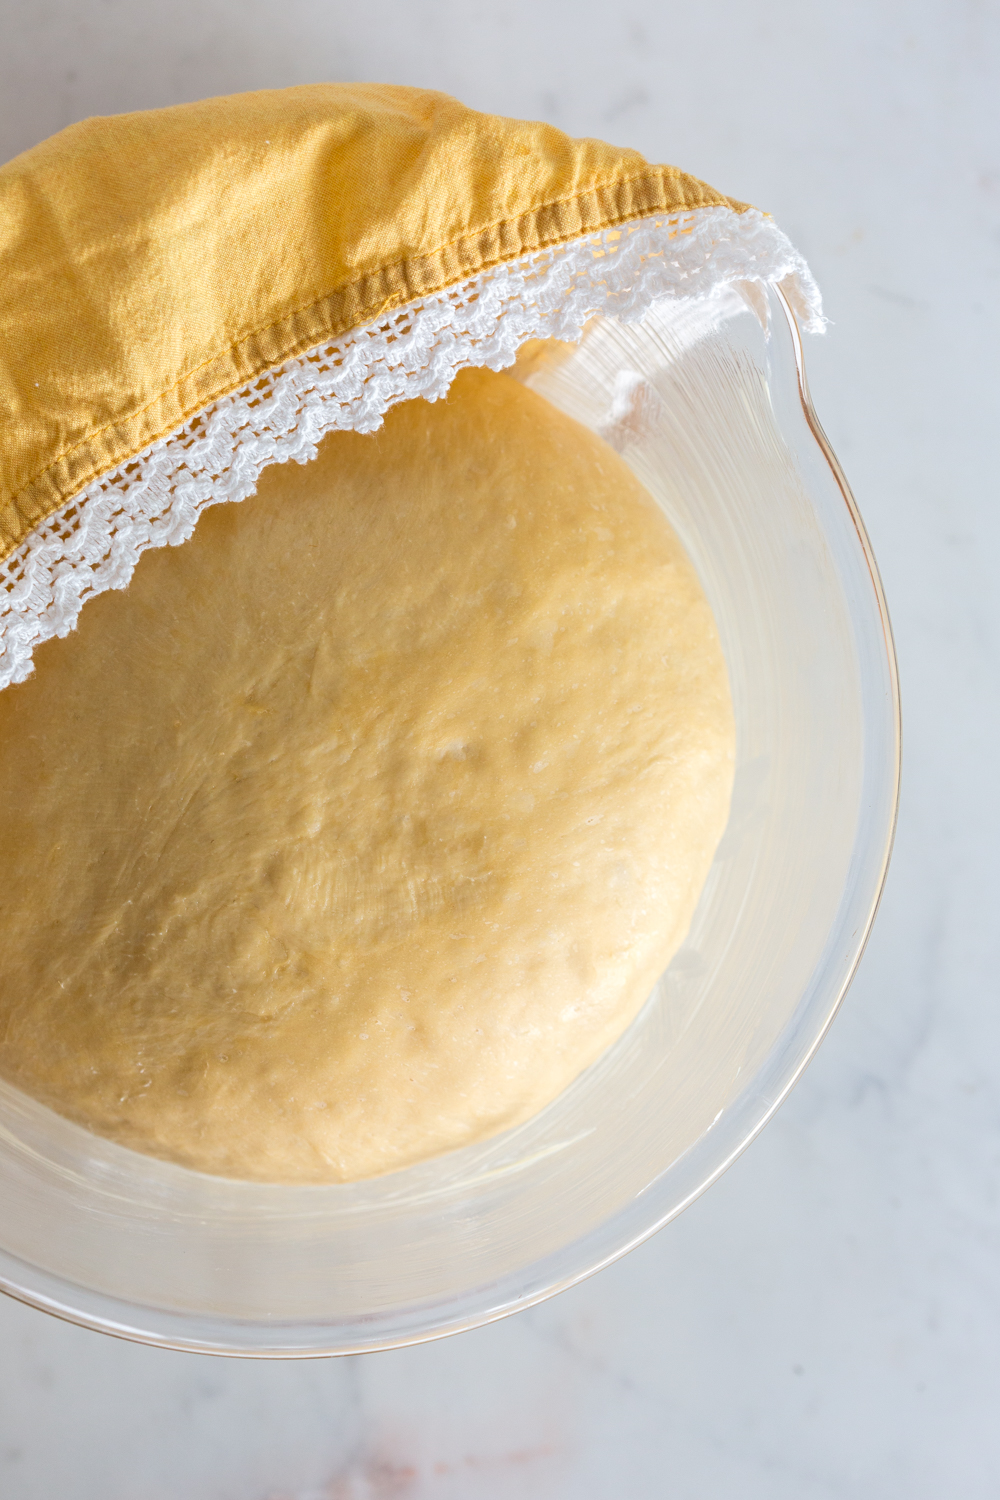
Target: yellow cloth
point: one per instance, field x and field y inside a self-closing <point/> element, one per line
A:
<point x="152" y="262"/>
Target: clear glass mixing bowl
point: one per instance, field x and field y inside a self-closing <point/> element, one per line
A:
<point x="709" y="404"/>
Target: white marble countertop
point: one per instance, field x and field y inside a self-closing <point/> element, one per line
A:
<point x="825" y="1321"/>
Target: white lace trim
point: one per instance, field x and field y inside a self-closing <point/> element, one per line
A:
<point x="93" y="543"/>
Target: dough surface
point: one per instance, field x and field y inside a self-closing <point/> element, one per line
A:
<point x="361" y="823"/>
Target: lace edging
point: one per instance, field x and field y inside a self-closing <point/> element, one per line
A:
<point x="94" y="543"/>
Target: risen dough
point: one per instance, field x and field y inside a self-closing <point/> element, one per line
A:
<point x="362" y="822"/>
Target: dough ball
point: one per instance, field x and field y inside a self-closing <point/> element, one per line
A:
<point x="361" y="823"/>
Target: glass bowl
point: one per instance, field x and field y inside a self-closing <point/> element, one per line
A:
<point x="708" y="403"/>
